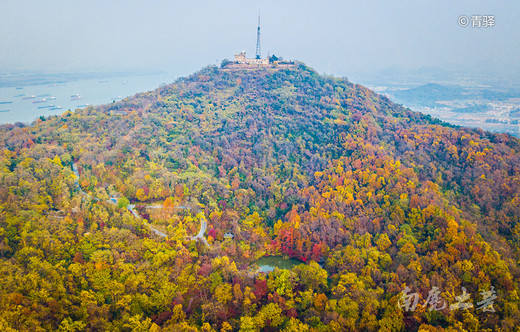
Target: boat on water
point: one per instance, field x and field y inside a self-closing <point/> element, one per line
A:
<point x="4" y="111"/>
<point x="46" y="106"/>
<point x="75" y="97"/>
<point x="19" y="88"/>
<point x="81" y="106"/>
<point x="40" y="101"/>
<point x="55" y="108"/>
<point x="5" y="102"/>
<point x="29" y="97"/>
<point x="51" y="98"/>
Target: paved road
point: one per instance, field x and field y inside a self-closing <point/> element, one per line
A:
<point x="75" y="170"/>
<point x="131" y="208"/>
<point x="200" y="235"/>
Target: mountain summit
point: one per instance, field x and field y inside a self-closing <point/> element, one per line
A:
<point x="401" y="222"/>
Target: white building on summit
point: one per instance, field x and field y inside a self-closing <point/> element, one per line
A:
<point x="242" y="59"/>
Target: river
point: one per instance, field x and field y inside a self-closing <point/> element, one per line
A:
<point x="26" y="103"/>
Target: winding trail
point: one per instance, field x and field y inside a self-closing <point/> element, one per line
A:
<point x="131" y="208"/>
<point x="200" y="235"/>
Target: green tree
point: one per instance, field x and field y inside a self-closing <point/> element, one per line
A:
<point x="123" y="202"/>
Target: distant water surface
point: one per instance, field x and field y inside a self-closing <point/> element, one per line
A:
<point x="17" y="104"/>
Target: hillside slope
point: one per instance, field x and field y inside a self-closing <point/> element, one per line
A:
<point x="291" y="163"/>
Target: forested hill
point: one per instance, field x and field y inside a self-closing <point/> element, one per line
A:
<point x="288" y="162"/>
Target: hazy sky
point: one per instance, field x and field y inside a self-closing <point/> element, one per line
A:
<point x="341" y="37"/>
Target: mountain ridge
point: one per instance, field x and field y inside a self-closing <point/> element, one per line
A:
<point x="291" y="163"/>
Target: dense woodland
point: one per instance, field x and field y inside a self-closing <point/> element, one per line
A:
<point x="371" y="197"/>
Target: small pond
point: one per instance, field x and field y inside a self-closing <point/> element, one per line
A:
<point x="268" y="263"/>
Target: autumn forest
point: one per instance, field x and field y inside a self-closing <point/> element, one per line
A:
<point x="375" y="201"/>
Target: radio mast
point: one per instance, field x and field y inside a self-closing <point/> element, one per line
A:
<point x="258" y="53"/>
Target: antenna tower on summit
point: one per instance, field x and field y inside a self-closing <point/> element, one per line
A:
<point x="258" y="53"/>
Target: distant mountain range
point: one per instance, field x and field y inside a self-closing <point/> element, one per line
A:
<point x="429" y="94"/>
